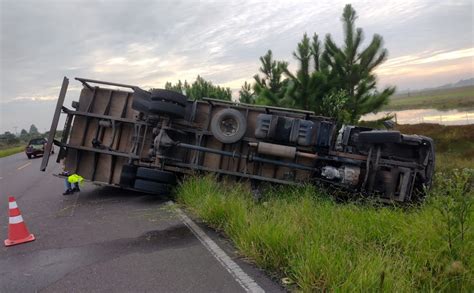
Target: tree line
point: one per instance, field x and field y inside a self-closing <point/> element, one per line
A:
<point x="331" y="80"/>
<point x="200" y="88"/>
<point x="9" y="139"/>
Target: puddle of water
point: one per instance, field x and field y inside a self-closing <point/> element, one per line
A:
<point x="415" y="116"/>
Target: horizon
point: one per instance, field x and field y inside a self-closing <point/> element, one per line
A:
<point x="219" y="41"/>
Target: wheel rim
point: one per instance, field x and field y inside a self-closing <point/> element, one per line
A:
<point x="229" y="126"/>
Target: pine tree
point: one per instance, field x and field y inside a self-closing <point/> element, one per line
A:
<point x="307" y="87"/>
<point x="270" y="89"/>
<point x="351" y="68"/>
<point x="246" y="95"/>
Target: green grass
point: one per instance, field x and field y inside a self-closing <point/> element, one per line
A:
<point x="11" y="150"/>
<point x="302" y="234"/>
<point x="443" y="99"/>
<point x="320" y="245"/>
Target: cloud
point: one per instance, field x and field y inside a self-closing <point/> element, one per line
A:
<point x="147" y="43"/>
<point x="427" y="69"/>
<point x="428" y="57"/>
<point x="413" y="63"/>
<point x="37" y="98"/>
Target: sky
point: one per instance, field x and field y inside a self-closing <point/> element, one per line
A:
<point x="148" y="43"/>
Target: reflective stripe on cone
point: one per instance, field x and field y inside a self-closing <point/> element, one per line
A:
<point x="17" y="231"/>
<point x="15" y="220"/>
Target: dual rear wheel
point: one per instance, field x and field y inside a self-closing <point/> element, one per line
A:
<point x="148" y="180"/>
<point x="160" y="102"/>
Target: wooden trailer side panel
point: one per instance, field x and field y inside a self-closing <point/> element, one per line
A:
<point x="87" y="132"/>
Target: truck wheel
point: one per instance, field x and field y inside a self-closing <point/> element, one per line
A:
<point x="152" y="187"/>
<point x="128" y="174"/>
<point x="140" y="93"/>
<point x="169" y="96"/>
<point x="380" y="136"/>
<point x="156" y="175"/>
<point x="228" y="126"/>
<point x="140" y="104"/>
<point x="166" y="108"/>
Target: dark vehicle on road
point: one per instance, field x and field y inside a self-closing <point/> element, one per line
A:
<point x="36" y="147"/>
<point x="141" y="140"/>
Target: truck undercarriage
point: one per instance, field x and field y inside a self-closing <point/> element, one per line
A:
<point x="137" y="139"/>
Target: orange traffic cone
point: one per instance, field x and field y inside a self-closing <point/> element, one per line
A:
<point x="17" y="231"/>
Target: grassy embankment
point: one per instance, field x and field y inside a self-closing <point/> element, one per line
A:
<point x="442" y="99"/>
<point x="303" y="235"/>
<point x="10" y="150"/>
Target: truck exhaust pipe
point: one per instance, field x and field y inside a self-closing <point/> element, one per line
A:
<point x="278" y="150"/>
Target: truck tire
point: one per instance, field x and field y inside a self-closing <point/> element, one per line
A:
<point x="228" y="126"/>
<point x="167" y="108"/>
<point x="380" y="136"/>
<point x="140" y="104"/>
<point x="169" y="96"/>
<point x="156" y="175"/>
<point x="151" y="187"/>
<point x="141" y="93"/>
<point x="127" y="176"/>
<point x="141" y="100"/>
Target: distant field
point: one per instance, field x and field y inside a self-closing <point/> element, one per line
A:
<point x="443" y="99"/>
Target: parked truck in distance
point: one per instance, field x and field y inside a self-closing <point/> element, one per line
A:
<point x="124" y="136"/>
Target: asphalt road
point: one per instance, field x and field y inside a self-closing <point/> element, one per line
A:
<point x="104" y="239"/>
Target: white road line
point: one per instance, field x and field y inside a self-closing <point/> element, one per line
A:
<point x="25" y="165"/>
<point x="233" y="268"/>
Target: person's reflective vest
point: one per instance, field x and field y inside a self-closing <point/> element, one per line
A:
<point x="74" y="178"/>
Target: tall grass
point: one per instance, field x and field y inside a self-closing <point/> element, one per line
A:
<point x="302" y="234"/>
<point x="11" y="150"/>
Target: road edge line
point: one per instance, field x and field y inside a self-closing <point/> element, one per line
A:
<point x="244" y="280"/>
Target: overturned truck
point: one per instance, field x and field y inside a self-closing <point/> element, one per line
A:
<point x="124" y="136"/>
